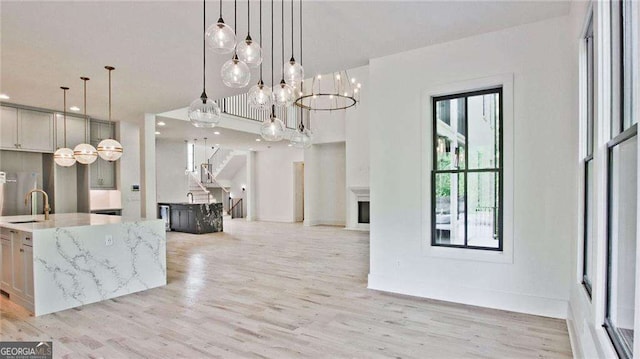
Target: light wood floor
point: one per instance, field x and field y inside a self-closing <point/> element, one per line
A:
<point x="281" y="291"/>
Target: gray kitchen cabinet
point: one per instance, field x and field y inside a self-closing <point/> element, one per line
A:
<point x="102" y="173"/>
<point x="19" y="281"/>
<point x="26" y="130"/>
<point x="6" y="278"/>
<point x="9" y="128"/>
<point x="77" y="131"/>
<point x="27" y="257"/>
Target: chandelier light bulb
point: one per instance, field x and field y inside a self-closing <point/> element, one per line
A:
<point x="235" y="73"/>
<point x="283" y="94"/>
<point x="249" y="52"/>
<point x="204" y="112"/>
<point x="64" y="157"/>
<point x="85" y="153"/>
<point x="221" y="37"/>
<point x="272" y="130"/>
<point x="260" y="96"/>
<point x="293" y="73"/>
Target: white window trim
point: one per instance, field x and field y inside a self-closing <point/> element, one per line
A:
<point x="426" y="150"/>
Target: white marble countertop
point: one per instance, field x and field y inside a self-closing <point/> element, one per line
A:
<point x="63" y="220"/>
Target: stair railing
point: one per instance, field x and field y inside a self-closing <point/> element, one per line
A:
<point x="192" y="175"/>
<point x="237" y="210"/>
<point x="210" y="175"/>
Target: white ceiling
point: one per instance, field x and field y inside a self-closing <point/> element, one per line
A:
<point x="156" y="45"/>
<point x="178" y="130"/>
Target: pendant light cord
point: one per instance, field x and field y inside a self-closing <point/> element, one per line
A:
<point x="261" y="44"/>
<point x="248" y="18"/>
<point x="65" y="115"/>
<point x="235" y="16"/>
<point x="109" y="96"/>
<point x="273" y="107"/>
<point x="221" y="9"/>
<point x="291" y="29"/>
<point x="204" y="42"/>
<point x="282" y="35"/>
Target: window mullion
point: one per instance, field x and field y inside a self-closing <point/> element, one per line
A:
<point x="466" y="167"/>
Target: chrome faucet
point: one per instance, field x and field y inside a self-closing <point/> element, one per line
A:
<point x="47" y="209"/>
<point x="190" y="194"/>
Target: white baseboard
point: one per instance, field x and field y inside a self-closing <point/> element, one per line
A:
<point x="515" y="302"/>
<point x="574" y="338"/>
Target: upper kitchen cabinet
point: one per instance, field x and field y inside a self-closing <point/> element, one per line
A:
<point x="77" y="131"/>
<point x="102" y="173"/>
<point x="26" y="130"/>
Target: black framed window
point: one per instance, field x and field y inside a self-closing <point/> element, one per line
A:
<point x="622" y="186"/>
<point x="466" y="178"/>
<point x="588" y="165"/>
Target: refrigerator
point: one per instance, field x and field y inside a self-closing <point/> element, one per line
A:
<point x="13" y="187"/>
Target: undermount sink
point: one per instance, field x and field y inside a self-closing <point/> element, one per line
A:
<point x="23" y="222"/>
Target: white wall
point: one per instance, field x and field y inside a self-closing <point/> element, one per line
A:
<point x="129" y="168"/>
<point x="541" y="57"/>
<point x="172" y="185"/>
<point x="274" y="184"/>
<point x="325" y="186"/>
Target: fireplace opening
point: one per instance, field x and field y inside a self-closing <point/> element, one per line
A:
<point x="363" y="211"/>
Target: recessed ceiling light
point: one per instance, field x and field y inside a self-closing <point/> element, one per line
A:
<point x="217" y="145"/>
<point x="216" y="133"/>
<point x="157" y="132"/>
<point x="160" y="123"/>
<point x="250" y="148"/>
<point x="289" y="145"/>
<point x="4" y="96"/>
<point x="258" y="140"/>
<point x="74" y="108"/>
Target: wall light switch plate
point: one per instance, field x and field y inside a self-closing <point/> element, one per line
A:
<point x="108" y="240"/>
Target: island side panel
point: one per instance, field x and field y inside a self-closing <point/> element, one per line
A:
<point x="75" y="266"/>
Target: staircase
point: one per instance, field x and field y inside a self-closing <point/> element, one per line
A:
<point x="200" y="193"/>
<point x="216" y="163"/>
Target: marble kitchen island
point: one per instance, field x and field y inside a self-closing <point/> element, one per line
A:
<point x="79" y="258"/>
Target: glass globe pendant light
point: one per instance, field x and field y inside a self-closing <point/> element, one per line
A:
<point x="235" y="73"/>
<point x="302" y="137"/>
<point x="272" y="129"/>
<point x="64" y="156"/>
<point x="249" y="51"/>
<point x="220" y="36"/>
<point x="283" y="94"/>
<point x="259" y="96"/>
<point x="293" y="71"/>
<point x="110" y="149"/>
<point x="85" y="153"/>
<point x="204" y="112"/>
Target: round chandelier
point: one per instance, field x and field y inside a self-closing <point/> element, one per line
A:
<point x="220" y="36"/>
<point x="335" y="92"/>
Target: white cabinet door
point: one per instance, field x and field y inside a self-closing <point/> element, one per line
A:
<point x="9" y="128"/>
<point x="76" y="131"/>
<point x="35" y="131"/>
<point x="27" y="256"/>
<point x="7" y="264"/>
<point x="18" y="265"/>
